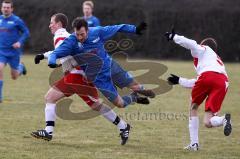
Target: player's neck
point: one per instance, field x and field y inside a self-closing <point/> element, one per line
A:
<point x="88" y="16"/>
<point x="7" y="16"/>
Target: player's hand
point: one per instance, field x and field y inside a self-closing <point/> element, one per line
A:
<point x="170" y="35"/>
<point x="16" y="45"/>
<point x="38" y="58"/>
<point x="141" y="27"/>
<point x="52" y="65"/>
<point x="173" y="79"/>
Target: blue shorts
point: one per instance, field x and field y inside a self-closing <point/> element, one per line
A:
<point x="13" y="61"/>
<point x="107" y="81"/>
<point x="120" y="77"/>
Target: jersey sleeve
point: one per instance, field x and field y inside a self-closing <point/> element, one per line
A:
<point x="24" y="31"/>
<point x="109" y="31"/>
<point x="189" y="44"/>
<point x="187" y="83"/>
<point x="66" y="48"/>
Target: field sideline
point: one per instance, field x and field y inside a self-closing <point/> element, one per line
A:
<point x="155" y="138"/>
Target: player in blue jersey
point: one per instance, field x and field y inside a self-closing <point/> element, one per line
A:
<point x="13" y="34"/>
<point x="85" y="40"/>
<point x="88" y="7"/>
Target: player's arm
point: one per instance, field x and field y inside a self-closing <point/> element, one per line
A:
<point x="24" y="30"/>
<point x="68" y="47"/>
<point x="109" y="31"/>
<point x="57" y="42"/>
<point x="184" y="82"/>
<point x="185" y="42"/>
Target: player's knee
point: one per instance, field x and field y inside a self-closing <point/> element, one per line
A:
<point x="119" y="103"/>
<point x="49" y="98"/>
<point x="96" y="106"/>
<point x="14" y="77"/>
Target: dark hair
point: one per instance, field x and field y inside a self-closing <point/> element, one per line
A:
<point x="60" y="17"/>
<point x="79" y="22"/>
<point x="210" y="42"/>
<point x="8" y="1"/>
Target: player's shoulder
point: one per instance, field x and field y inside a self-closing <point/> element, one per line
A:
<point x="16" y="18"/>
<point x="61" y="33"/>
<point x="95" y="18"/>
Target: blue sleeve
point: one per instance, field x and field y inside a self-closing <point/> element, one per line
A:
<point x="109" y="31"/>
<point x="65" y="49"/>
<point x="24" y="31"/>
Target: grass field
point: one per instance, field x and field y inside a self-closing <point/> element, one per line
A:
<point x="23" y="112"/>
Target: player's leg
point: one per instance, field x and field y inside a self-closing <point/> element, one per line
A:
<point x="17" y="68"/>
<point x="122" y="79"/>
<point x="107" y="88"/>
<point x="2" y="65"/>
<point x="193" y="128"/>
<point x="214" y="102"/>
<point x="198" y="95"/>
<point x="88" y="92"/>
<point x="57" y="92"/>
<point x="112" y="117"/>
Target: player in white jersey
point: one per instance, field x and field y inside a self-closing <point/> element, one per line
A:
<point x="211" y="85"/>
<point x="73" y="83"/>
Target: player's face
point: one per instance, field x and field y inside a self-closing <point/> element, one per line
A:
<point x="81" y="34"/>
<point x="53" y="26"/>
<point x="7" y="9"/>
<point x="87" y="10"/>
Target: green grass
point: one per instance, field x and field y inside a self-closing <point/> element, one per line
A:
<point x="23" y="112"/>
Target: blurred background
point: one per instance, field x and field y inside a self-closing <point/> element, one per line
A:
<point x="196" y="19"/>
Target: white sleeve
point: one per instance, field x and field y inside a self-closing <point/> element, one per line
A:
<point x="189" y="44"/>
<point x="46" y="54"/>
<point x="187" y="83"/>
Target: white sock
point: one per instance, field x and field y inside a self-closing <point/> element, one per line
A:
<point x="111" y="116"/>
<point x="217" y="121"/>
<point x="193" y="129"/>
<point x="50" y="117"/>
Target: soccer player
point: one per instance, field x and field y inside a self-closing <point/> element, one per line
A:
<point x="211" y="85"/>
<point x="13" y="34"/>
<point x="85" y="40"/>
<point x="72" y="83"/>
<point x="88" y="7"/>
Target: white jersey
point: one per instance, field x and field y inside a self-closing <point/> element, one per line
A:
<point x="205" y="59"/>
<point x="58" y="39"/>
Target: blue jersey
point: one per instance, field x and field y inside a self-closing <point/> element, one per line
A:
<point x="92" y="21"/>
<point x="94" y="43"/>
<point x="12" y="30"/>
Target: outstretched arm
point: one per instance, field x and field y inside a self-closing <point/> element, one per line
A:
<point x="189" y="44"/>
<point x="109" y="31"/>
<point x="68" y="47"/>
<point x="187" y="83"/>
<point x="185" y="42"/>
<point x="184" y="82"/>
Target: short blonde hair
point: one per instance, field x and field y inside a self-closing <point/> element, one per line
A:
<point x="89" y="3"/>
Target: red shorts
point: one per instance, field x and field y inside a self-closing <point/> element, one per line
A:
<point x="77" y="83"/>
<point x="211" y="86"/>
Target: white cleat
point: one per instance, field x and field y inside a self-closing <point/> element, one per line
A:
<point x="192" y="147"/>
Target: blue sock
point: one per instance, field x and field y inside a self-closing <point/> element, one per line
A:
<point x="128" y="99"/>
<point x="20" y="68"/>
<point x="1" y="87"/>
